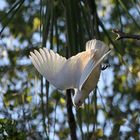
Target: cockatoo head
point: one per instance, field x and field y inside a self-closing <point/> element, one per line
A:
<point x="79" y="98"/>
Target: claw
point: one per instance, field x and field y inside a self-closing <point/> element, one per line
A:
<point x="105" y="66"/>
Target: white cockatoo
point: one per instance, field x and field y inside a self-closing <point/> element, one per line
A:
<point x="80" y="72"/>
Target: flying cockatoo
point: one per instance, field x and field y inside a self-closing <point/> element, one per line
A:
<point x="80" y="72"/>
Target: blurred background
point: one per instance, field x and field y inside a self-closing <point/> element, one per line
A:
<point x="31" y="108"/>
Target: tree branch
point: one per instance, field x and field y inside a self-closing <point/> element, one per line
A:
<point x="71" y="120"/>
<point x="122" y="35"/>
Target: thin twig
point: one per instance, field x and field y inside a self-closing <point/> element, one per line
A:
<point x="44" y="31"/>
<point x="102" y="100"/>
<point x="13" y="14"/>
<point x="13" y="7"/>
<point x="122" y="35"/>
<point x="55" y="118"/>
<point x="95" y="110"/>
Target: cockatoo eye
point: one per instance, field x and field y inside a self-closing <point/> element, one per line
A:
<point x="79" y="103"/>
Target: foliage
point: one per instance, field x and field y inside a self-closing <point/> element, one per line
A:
<point x="32" y="108"/>
<point x="8" y="130"/>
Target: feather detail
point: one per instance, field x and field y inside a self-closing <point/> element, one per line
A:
<point x="48" y="63"/>
<point x="97" y="45"/>
<point x="98" y="52"/>
<point x="91" y="44"/>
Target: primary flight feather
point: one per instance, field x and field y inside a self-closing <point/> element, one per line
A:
<point x="80" y="72"/>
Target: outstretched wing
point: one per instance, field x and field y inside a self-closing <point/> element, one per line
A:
<point x="48" y="64"/>
<point x="98" y="52"/>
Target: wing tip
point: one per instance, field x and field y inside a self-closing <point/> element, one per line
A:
<point x="89" y="44"/>
<point x="94" y="44"/>
<point x="30" y="56"/>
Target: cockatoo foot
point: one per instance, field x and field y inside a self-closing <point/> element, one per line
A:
<point x="105" y="66"/>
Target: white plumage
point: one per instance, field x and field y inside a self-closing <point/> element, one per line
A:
<point x="80" y="72"/>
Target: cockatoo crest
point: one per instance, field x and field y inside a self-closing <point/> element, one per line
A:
<point x="80" y="72"/>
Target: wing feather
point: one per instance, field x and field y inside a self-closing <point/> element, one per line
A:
<point x="98" y="52"/>
<point x="48" y="64"/>
<point x="92" y="64"/>
<point x="91" y="44"/>
<point x="35" y="64"/>
<point x="71" y="73"/>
